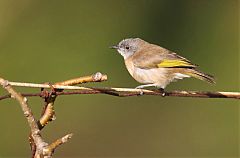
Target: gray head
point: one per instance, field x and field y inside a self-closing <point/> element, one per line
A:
<point x="128" y="47"/>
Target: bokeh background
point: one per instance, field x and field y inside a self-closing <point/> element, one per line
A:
<point x="49" y="41"/>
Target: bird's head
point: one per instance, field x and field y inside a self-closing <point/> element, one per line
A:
<point x="128" y="47"/>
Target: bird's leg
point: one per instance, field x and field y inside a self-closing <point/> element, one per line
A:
<point x="143" y="86"/>
<point x="162" y="91"/>
<point x="146" y="85"/>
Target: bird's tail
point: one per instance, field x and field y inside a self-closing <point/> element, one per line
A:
<point x="200" y="75"/>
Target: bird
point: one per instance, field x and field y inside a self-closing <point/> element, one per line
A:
<point x="155" y="66"/>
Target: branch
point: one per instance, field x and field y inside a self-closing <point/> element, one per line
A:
<point x="48" y="113"/>
<point x="39" y="147"/>
<point x="57" y="143"/>
<point x="28" y="114"/>
<point x="97" y="77"/>
<point x="35" y="139"/>
<point x="122" y="92"/>
<point x="127" y="92"/>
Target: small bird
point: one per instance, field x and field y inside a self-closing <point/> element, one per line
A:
<point x="153" y="65"/>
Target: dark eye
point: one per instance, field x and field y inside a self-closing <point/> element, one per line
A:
<point x="127" y="47"/>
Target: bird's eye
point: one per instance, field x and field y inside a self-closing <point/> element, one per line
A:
<point x="127" y="47"/>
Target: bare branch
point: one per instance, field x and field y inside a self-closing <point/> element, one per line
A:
<point x="39" y="147"/>
<point x="97" y="77"/>
<point x="27" y="113"/>
<point x="48" y="113"/>
<point x="50" y="149"/>
<point x="127" y="92"/>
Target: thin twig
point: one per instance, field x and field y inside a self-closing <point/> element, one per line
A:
<point x="127" y="92"/>
<point x="48" y="113"/>
<point x="57" y="143"/>
<point x="35" y="85"/>
<point x="122" y="92"/>
<point x="97" y="77"/>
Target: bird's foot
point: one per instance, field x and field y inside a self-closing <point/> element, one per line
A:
<point x="145" y="85"/>
<point x="140" y="87"/>
<point x="162" y="91"/>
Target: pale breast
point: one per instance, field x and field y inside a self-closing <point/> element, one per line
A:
<point x="130" y="66"/>
<point x="154" y="75"/>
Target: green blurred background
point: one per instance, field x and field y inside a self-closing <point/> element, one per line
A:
<point x="49" y="41"/>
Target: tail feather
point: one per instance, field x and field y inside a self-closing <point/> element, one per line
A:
<point x="202" y="76"/>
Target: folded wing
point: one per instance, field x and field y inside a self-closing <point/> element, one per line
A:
<point x="158" y="57"/>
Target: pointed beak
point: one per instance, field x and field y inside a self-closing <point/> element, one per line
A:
<point x="114" y="47"/>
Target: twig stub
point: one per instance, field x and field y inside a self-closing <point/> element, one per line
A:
<point x="50" y="148"/>
<point x="97" y="77"/>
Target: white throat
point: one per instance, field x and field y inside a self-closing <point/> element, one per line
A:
<point x="125" y="55"/>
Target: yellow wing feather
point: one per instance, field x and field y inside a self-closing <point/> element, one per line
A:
<point x="175" y="63"/>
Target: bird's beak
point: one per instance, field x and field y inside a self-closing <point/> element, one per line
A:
<point x="114" y="47"/>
